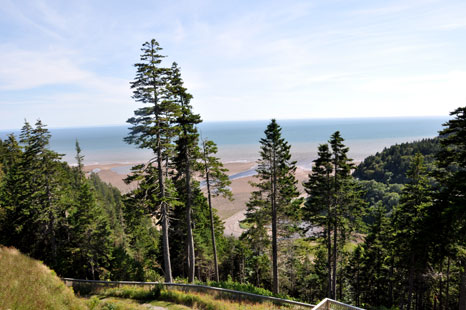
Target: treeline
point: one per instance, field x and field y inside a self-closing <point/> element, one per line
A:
<point x="78" y="226"/>
<point x="82" y="227"/>
<point x="368" y="243"/>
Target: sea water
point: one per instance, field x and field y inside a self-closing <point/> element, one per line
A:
<point x="238" y="141"/>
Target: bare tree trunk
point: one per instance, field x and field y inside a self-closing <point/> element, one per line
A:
<point x="329" y="241"/>
<point x="462" y="286"/>
<point x="212" y="228"/>
<point x="335" y="228"/>
<point x="192" y="258"/>
<point x="164" y="209"/>
<point x="410" y="282"/>
<point x="163" y="205"/>
<point x="447" y="293"/>
<point x="334" y="280"/>
<point x="329" y="254"/>
<point x="274" y="225"/>
<point x="440" y="298"/>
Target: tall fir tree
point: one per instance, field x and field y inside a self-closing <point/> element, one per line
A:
<point x="276" y="199"/>
<point x="334" y="202"/>
<point x="152" y="129"/>
<point x="187" y="151"/>
<point x="410" y="229"/>
<point x="318" y="205"/>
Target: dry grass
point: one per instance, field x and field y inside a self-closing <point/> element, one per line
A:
<point x="28" y="284"/>
<point x="192" y="300"/>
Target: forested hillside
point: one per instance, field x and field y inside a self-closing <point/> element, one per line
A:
<point x="391" y="165"/>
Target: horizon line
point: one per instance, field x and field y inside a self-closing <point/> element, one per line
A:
<point x="250" y="120"/>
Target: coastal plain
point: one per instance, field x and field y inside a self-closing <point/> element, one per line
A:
<point x="231" y="212"/>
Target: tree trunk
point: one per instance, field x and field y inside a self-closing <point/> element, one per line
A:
<point x="440" y="295"/>
<point x="334" y="280"/>
<point x="192" y="264"/>
<point x="335" y="228"/>
<point x="163" y="206"/>
<point x="164" y="209"/>
<point x="329" y="258"/>
<point x="447" y="289"/>
<point x="410" y="282"/>
<point x="274" y="225"/>
<point x="390" y="289"/>
<point x="212" y="228"/>
<point x="462" y="286"/>
<point x="329" y="241"/>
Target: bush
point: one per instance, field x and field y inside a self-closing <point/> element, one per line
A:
<point x="133" y="292"/>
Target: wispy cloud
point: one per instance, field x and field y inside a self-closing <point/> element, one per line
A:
<point x="241" y="60"/>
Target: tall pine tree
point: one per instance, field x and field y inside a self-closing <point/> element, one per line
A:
<point x="334" y="202"/>
<point x="187" y="151"/>
<point x="276" y="199"/>
<point x="152" y="129"/>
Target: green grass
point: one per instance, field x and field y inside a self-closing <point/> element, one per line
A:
<point x="28" y="284"/>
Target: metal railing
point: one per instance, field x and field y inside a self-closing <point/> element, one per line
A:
<point x="238" y="295"/>
<point x="326" y="304"/>
<point x="330" y="304"/>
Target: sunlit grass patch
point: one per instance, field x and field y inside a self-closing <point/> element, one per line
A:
<point x="28" y="284"/>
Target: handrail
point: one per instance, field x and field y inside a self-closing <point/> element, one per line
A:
<point x="224" y="290"/>
<point x="330" y="304"/>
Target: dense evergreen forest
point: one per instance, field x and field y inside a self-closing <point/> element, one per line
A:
<point x="391" y="165"/>
<point x="388" y="234"/>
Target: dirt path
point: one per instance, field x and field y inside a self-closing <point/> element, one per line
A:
<point x="232" y="224"/>
<point x="151" y="307"/>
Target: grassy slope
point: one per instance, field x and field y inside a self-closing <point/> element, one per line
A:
<point x="28" y="284"/>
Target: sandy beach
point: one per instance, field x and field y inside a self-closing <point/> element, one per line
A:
<point x="231" y="212"/>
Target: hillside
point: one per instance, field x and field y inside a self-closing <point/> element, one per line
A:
<point x="28" y="284"/>
<point x="390" y="165"/>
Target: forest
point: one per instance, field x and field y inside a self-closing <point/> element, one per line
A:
<point x="386" y="234"/>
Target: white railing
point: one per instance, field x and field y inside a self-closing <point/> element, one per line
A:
<point x="326" y="304"/>
<point x="194" y="287"/>
<point x="330" y="304"/>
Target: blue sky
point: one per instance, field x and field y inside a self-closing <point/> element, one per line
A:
<point x="69" y="63"/>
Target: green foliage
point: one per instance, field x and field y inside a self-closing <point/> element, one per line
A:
<point x="378" y="194"/>
<point x="76" y="225"/>
<point x="391" y="165"/>
<point x="133" y="292"/>
<point x="275" y="201"/>
<point x="334" y="204"/>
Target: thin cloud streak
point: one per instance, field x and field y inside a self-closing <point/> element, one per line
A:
<point x="240" y="60"/>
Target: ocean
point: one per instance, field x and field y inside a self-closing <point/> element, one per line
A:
<point x="238" y="141"/>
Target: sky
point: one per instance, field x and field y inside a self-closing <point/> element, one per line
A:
<point x="70" y="63"/>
